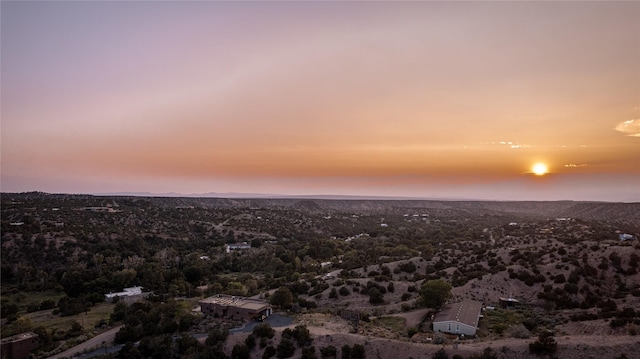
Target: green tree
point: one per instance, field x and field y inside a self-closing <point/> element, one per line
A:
<point x="282" y="298"/>
<point x="285" y="349"/>
<point x="240" y="351"/>
<point x="434" y="293"/>
<point x="263" y="330"/>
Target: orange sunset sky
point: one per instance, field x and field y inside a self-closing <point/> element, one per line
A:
<point x="416" y="99"/>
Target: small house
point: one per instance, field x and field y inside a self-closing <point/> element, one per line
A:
<point x="232" y="307"/>
<point x="458" y="318"/>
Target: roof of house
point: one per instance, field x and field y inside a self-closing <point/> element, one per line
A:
<point x="223" y="300"/>
<point x="19" y="337"/>
<point x="466" y="312"/>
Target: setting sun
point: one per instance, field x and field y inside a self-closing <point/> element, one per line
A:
<point x="539" y="169"/>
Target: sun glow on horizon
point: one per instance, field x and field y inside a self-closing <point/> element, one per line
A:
<point x="540" y="169"/>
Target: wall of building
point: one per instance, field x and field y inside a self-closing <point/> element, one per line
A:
<point x="454" y="328"/>
<point x="233" y="312"/>
<point x="19" y="348"/>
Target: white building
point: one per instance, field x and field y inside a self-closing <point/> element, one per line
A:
<point x="128" y="294"/>
<point x="458" y="318"/>
<point x="238" y="247"/>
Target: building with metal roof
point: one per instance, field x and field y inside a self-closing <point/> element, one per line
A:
<point x="458" y="318"/>
<point x="232" y="307"/>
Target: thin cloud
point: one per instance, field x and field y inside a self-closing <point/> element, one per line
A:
<point x="575" y="165"/>
<point x="630" y="127"/>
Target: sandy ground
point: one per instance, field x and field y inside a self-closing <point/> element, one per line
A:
<point x="330" y="330"/>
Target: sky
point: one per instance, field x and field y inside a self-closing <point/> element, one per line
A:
<point x="453" y="100"/>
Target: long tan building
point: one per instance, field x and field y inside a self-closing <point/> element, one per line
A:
<point x="458" y="318"/>
<point x="230" y="307"/>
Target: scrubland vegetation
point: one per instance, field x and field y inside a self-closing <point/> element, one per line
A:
<point x="368" y="260"/>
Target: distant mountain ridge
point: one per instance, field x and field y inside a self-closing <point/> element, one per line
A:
<point x="619" y="212"/>
<point x="272" y="196"/>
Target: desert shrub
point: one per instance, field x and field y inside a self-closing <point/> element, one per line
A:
<point x="408" y="267"/>
<point x="487" y="353"/>
<point x="376" y="296"/>
<point x="583" y="316"/>
<point x="250" y="341"/>
<point x="285" y="349"/>
<point x="440" y="354"/>
<point x="520" y="332"/>
<point x="545" y="345"/>
<point x="390" y="287"/>
<point x="264" y="330"/>
<point x="240" y="351"/>
<point x="307" y="303"/>
<point x="344" y="291"/>
<point x="357" y="351"/>
<point x="308" y="353"/>
<point x="499" y="328"/>
<point x="333" y="294"/>
<point x="617" y="322"/>
<point x="346" y="351"/>
<point x="329" y="352"/>
<point x="269" y="352"/>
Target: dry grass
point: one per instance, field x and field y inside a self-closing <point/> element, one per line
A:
<point x="87" y="320"/>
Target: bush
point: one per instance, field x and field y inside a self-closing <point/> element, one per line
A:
<point x="408" y="267"/>
<point x="346" y="352"/>
<point x="240" y="351"/>
<point x="329" y="352"/>
<point x="269" y="352"/>
<point x="440" y="354"/>
<point x="333" y="294"/>
<point x="546" y="344"/>
<point x="250" y="342"/>
<point x="308" y="353"/>
<point x="264" y="330"/>
<point x="520" y="332"/>
<point x="487" y="353"/>
<point x="285" y="349"/>
<point x="357" y="352"/>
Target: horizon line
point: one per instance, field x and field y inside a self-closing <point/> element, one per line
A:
<point x="242" y="195"/>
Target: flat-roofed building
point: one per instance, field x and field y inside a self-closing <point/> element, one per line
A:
<point x="128" y="295"/>
<point x="458" y="318"/>
<point x="19" y="346"/>
<point x="231" y="307"/>
<point x="509" y="302"/>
